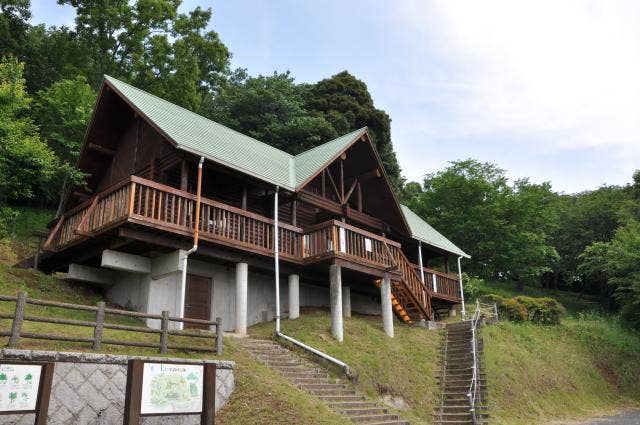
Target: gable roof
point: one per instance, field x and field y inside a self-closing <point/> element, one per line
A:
<point x="422" y="231"/>
<point x="309" y="162"/>
<point x="201" y="136"/>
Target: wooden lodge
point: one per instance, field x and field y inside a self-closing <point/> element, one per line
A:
<point x="131" y="226"/>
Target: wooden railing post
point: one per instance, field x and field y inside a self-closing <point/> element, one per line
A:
<point x="132" y="197"/>
<point x="97" y="330"/>
<point x="219" y="333"/>
<point x="164" y="336"/>
<point x="18" y="318"/>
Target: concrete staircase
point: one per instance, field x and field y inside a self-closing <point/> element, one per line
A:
<point x="455" y="379"/>
<point x="310" y="377"/>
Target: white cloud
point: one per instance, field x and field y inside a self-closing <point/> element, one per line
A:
<point x="563" y="73"/>
<point x="571" y="67"/>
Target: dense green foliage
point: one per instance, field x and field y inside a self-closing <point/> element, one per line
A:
<point x="545" y="310"/>
<point x="526" y="233"/>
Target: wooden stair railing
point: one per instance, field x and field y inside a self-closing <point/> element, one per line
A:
<point x="411" y="289"/>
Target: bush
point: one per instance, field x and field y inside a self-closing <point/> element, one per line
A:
<point x="519" y="309"/>
<point x="472" y="286"/>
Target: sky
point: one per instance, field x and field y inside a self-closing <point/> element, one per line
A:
<point x="548" y="90"/>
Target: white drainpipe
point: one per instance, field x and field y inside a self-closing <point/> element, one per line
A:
<point x="461" y="290"/>
<point x="183" y="285"/>
<point x="420" y="261"/>
<point x="276" y="256"/>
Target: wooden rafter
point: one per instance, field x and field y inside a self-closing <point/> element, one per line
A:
<point x="333" y="184"/>
<point x="101" y="149"/>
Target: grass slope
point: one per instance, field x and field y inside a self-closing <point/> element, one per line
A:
<point x="404" y="367"/>
<point x="586" y="365"/>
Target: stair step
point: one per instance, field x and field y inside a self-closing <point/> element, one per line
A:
<point x="369" y="419"/>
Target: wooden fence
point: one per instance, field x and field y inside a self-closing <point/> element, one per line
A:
<point x="19" y="317"/>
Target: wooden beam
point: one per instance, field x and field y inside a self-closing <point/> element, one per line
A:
<point x="243" y="201"/>
<point x="375" y="173"/>
<point x="324" y="185"/>
<point x="294" y="212"/>
<point x="101" y="149"/>
<point x="359" y="197"/>
<point x="333" y="184"/>
<point x="184" y="176"/>
<point x="351" y="189"/>
<point x="80" y="195"/>
<point x="342" y="201"/>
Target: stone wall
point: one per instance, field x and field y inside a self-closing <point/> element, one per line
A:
<point x="89" y="388"/>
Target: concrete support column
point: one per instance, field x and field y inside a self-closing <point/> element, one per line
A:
<point x="294" y="296"/>
<point x="241" y="298"/>
<point x="387" y="310"/>
<point x="335" y="296"/>
<point x="452" y="311"/>
<point x="346" y="301"/>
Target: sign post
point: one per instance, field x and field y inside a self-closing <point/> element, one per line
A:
<point x="26" y="388"/>
<point x="170" y="388"/>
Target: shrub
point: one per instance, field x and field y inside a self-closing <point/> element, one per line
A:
<point x="472" y="286"/>
<point x="519" y="309"/>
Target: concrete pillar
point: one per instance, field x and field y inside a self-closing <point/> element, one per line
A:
<point x="387" y="310"/>
<point x="346" y="301"/>
<point x="241" y="298"/>
<point x="335" y="296"/>
<point x="452" y="311"/>
<point x="294" y="296"/>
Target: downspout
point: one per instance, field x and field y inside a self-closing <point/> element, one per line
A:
<point x="461" y="290"/>
<point x="276" y="256"/>
<point x="196" y="233"/>
<point x="420" y="261"/>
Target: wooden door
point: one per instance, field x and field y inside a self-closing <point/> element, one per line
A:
<point x="198" y="300"/>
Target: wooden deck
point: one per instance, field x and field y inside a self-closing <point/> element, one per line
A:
<point x="148" y="203"/>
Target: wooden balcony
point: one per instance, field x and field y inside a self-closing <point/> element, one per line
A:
<point x="447" y="286"/>
<point x="146" y="203"/>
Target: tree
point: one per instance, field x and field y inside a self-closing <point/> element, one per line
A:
<point x="345" y="102"/>
<point x="53" y="54"/>
<point x="151" y="45"/>
<point x="14" y="23"/>
<point x="504" y="228"/>
<point x="617" y="262"/>
<point x="585" y="218"/>
<point x="62" y="112"/>
<point x="27" y="166"/>
<point x="270" y="109"/>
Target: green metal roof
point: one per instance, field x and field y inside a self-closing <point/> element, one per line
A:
<point x="201" y="136"/>
<point x="422" y="231"/>
<point x="308" y="163"/>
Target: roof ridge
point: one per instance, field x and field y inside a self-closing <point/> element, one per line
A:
<point x="201" y="116"/>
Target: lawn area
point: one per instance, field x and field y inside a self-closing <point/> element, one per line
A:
<point x="538" y="373"/>
<point x="404" y="367"/>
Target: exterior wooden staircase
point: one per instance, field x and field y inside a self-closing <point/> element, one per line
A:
<point x="410" y="298"/>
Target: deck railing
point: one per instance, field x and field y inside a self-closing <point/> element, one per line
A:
<point x="445" y="284"/>
<point x="336" y="237"/>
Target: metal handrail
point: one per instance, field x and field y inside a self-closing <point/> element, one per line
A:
<point x="473" y="387"/>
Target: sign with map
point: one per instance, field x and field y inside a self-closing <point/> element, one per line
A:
<point x="171" y="389"/>
<point x="19" y="385"/>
